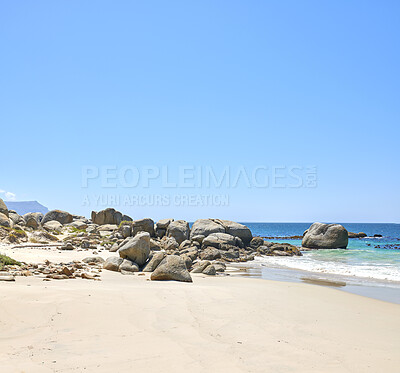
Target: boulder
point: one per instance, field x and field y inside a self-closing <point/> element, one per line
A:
<point x="125" y="229"/>
<point x="93" y="259"/>
<point x="357" y="235"/>
<point x="210" y="270"/>
<point x="33" y="219"/>
<point x="53" y="225"/>
<point x="200" y="266"/>
<point x="155" y="245"/>
<point x="210" y="253"/>
<point x="137" y="248"/>
<point x="112" y="263"/>
<point x="169" y="243"/>
<point x="179" y="229"/>
<point x="205" y="227"/>
<point x="173" y="268"/>
<point x="143" y="225"/>
<point x="218" y="240"/>
<point x="108" y="216"/>
<point x="62" y="217"/>
<point x="127" y="267"/>
<point x="325" y="236"/>
<point x="153" y="263"/>
<point x="238" y="230"/>
<point x="107" y="228"/>
<point x="16" y="219"/>
<point x="78" y="224"/>
<point x="256" y="242"/>
<point x="4" y="220"/>
<point x="3" y="208"/>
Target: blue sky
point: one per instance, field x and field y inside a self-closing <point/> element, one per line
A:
<point x="204" y="84"/>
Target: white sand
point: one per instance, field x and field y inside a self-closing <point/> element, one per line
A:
<point x="215" y="324"/>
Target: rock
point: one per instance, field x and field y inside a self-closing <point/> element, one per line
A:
<point x="210" y="253"/>
<point x="179" y="229"/>
<point x="93" y="259"/>
<point x="378" y="235"/>
<point x="4" y="220"/>
<point x="188" y="261"/>
<point x="185" y="244"/>
<point x="153" y="263"/>
<point x="173" y="268"/>
<point x="219" y="267"/>
<point x="155" y="245"/>
<point x="112" y="263"/>
<point x="66" y="271"/>
<point x="128" y="267"/>
<point x="169" y="243"/>
<point x="238" y="230"/>
<point x="230" y="255"/>
<point x="143" y="225"/>
<point x="325" y="236"/>
<point x="67" y="246"/>
<point x="87" y="276"/>
<point x="205" y="227"/>
<point x="78" y="224"/>
<point x="256" y="242"/>
<point x="107" y="228"/>
<point x="53" y="225"/>
<point x="33" y="219"/>
<point x="62" y="217"/>
<point x="218" y="240"/>
<point x="137" y="248"/>
<point x="16" y="219"/>
<point x="108" y="216"/>
<point x="163" y="224"/>
<point x="3" y="208"/>
<point x="199" y="267"/>
<point x="125" y="229"/>
<point x="7" y="278"/>
<point x="210" y="270"/>
<point x="199" y="239"/>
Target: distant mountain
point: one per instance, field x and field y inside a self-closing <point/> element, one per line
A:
<point x="23" y="207"/>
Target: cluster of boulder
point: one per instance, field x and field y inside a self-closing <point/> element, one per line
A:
<point x="89" y="269"/>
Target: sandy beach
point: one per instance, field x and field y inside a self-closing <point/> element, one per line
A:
<point x="217" y="324"/>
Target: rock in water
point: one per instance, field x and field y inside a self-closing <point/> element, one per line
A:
<point x="62" y="217"/>
<point x="172" y="268"/>
<point x="137" y="248"/>
<point x="325" y="236"/>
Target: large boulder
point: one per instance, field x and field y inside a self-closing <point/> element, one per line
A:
<point x="179" y="229"/>
<point x="143" y="225"/>
<point x="205" y="227"/>
<point x="173" y="268"/>
<point x="16" y="218"/>
<point x="112" y="263"/>
<point x="325" y="236"/>
<point x="33" y="219"/>
<point x="53" y="225"/>
<point x="3" y="208"/>
<point x="218" y="240"/>
<point x="109" y="216"/>
<point x="238" y="230"/>
<point x="154" y="262"/>
<point x="4" y="220"/>
<point x="62" y="217"/>
<point x="161" y="227"/>
<point x="136" y="249"/>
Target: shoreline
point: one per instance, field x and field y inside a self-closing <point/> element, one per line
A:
<point x="222" y="323"/>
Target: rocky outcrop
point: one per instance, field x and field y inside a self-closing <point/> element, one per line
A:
<point x="325" y="236"/>
<point x="178" y="229"/>
<point x="357" y="235"/>
<point x="173" y="268"/>
<point x="109" y="216"/>
<point x="136" y="249"/>
<point x="62" y="217"/>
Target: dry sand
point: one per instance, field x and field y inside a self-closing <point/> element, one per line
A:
<point x="215" y="324"/>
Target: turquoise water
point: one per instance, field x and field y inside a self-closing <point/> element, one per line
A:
<point x="368" y="258"/>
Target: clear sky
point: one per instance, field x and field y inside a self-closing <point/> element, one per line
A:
<point x="237" y="84"/>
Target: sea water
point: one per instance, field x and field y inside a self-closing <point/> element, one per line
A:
<point x="369" y="260"/>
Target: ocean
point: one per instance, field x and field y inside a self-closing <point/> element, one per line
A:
<point x="369" y="261"/>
